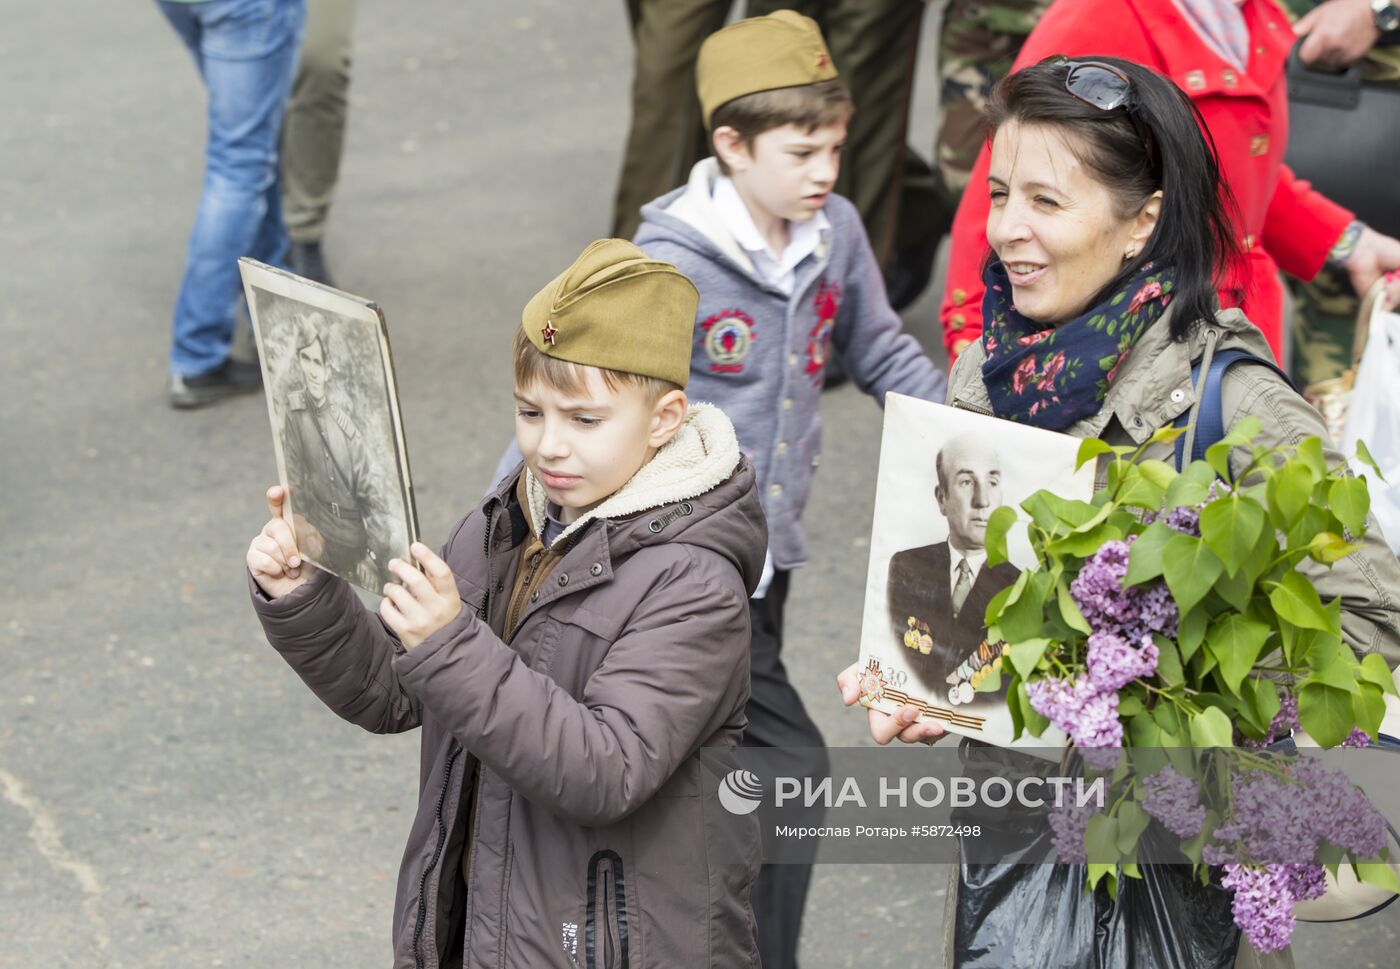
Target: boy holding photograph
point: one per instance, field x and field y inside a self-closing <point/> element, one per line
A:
<point x="583" y="635"/>
<point x="785" y="273"/>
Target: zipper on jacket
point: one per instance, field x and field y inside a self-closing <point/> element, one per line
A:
<point x="486" y="554"/>
<point x="453" y="752"/>
<point x="607" y="902"/>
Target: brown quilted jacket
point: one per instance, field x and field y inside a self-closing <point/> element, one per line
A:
<point x="570" y="741"/>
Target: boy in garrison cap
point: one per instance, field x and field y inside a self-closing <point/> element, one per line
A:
<point x="583" y="634"/>
<point x="785" y="273"/>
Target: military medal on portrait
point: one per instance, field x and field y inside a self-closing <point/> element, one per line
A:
<point x="924" y="640"/>
<point x="336" y="428"/>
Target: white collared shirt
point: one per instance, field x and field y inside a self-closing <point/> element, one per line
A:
<point x="779" y="272"/>
<point x="974" y="561"/>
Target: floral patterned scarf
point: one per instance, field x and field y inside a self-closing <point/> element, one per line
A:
<point x="1052" y="377"/>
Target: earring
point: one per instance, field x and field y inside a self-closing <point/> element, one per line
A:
<point x="1130" y="255"/>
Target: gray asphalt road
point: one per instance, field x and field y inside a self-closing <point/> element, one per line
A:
<point x="170" y="795"/>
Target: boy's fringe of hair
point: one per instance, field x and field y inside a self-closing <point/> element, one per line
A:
<point x="809" y="106"/>
<point x="533" y="367"/>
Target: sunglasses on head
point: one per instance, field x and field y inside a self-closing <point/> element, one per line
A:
<point x="1095" y="83"/>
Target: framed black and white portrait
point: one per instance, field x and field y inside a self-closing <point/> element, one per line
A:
<point x="336" y="427"/>
<point x="943" y="471"/>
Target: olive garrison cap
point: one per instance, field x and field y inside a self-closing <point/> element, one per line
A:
<point x="783" y="49"/>
<point x="618" y="309"/>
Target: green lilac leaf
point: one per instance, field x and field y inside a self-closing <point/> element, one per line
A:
<point x="1325" y="713"/>
<point x="1231" y="527"/>
<point x="1364" y="454"/>
<point x="1145" y="554"/>
<point x="1211" y="728"/>
<point x="1090" y="448"/>
<point x="1288" y="492"/>
<point x="998" y="524"/>
<point x="1190" y="568"/>
<point x="1235" y="642"/>
<point x="1297" y="601"/>
<point x="1350" y="501"/>
<point x="1374" y="670"/>
<point x="1025" y="655"/>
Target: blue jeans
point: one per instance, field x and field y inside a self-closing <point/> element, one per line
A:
<point x="246" y="51"/>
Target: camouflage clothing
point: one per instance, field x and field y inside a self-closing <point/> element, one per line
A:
<point x="1324" y="310"/>
<point x="979" y="43"/>
<point x="1322" y="327"/>
<point x="332" y="485"/>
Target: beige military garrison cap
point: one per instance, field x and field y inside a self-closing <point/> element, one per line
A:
<point x="783" y="49"/>
<point x="619" y="309"/>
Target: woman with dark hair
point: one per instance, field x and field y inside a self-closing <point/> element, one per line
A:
<point x="1228" y="56"/>
<point x="1110" y="238"/>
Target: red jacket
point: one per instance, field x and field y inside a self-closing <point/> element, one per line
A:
<point x="1285" y="223"/>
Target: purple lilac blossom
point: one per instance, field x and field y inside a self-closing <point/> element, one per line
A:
<point x="1357" y="738"/>
<point x="1101" y="758"/>
<point x="1340" y="813"/>
<point x="1131" y="612"/>
<point x="1080" y="709"/>
<point x="1113" y="662"/>
<point x="1306" y="882"/>
<point x="1172" y="798"/>
<point x="1184" y="519"/>
<point x="1286" y="720"/>
<point x="1277" y="821"/>
<point x="1069" y="822"/>
<point x="1270" y="821"/>
<point x="1263" y="906"/>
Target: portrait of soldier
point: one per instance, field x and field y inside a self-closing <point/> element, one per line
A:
<point x="938" y="594"/>
<point x="341" y="512"/>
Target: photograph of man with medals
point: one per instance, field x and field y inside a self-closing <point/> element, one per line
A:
<point x="943" y="472"/>
<point x="939" y="593"/>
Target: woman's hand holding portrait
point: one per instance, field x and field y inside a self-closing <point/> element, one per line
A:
<point x="885" y="727"/>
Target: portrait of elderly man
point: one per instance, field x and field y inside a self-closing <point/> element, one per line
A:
<point x="938" y="594"/>
<point x="341" y="513"/>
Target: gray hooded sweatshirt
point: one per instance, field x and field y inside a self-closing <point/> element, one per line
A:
<point x="760" y="354"/>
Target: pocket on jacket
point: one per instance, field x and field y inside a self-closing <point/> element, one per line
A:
<point x="606" y="922"/>
<point x="470" y="593"/>
<point x="605" y="626"/>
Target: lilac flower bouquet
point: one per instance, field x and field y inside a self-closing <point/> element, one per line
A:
<point x="1169" y="616"/>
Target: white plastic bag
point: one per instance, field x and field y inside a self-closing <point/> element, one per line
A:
<point x="1373" y="416"/>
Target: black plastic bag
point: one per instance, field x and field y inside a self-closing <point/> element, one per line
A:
<point x="1038" y="916"/>
<point x="1027" y="912"/>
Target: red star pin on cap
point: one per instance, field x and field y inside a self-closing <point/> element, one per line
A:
<point x="821" y="60"/>
<point x="547" y="333"/>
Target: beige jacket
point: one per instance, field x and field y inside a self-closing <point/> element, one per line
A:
<point x="1153" y="389"/>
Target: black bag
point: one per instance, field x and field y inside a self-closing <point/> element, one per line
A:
<point x="1344" y="138"/>
<point x="1164" y="920"/>
<point x="1027" y="912"/>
